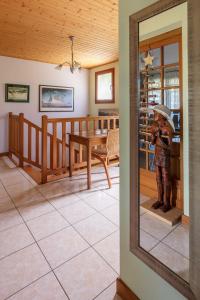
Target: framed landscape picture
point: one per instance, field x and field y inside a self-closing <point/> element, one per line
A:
<point x="56" y="98"/>
<point x="17" y="93"/>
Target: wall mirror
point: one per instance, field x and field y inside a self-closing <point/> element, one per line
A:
<point x="162" y="205"/>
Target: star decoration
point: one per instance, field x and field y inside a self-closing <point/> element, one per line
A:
<point x="148" y="60"/>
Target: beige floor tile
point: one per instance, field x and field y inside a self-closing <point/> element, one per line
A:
<point x="113" y="192"/>
<point x="85" y="276"/>
<point x="62" y="246"/>
<point x="173" y="260"/>
<point x="73" y="187"/>
<point x="33" y="210"/>
<point x="155" y="227"/>
<point x="112" y="213"/>
<point x="30" y="179"/>
<point x="45" y="288"/>
<point x="52" y="190"/>
<point x="20" y="269"/>
<point x="9" y="173"/>
<point x="24" y="193"/>
<point x="9" y="218"/>
<point x="3" y="192"/>
<point x="7" y="162"/>
<point x="14" y="178"/>
<point x="47" y="224"/>
<point x="143" y="198"/>
<point x="95" y="228"/>
<point x="109" y="250"/>
<point x="142" y="211"/>
<point x="100" y="200"/>
<point x="147" y="241"/>
<point x="84" y="194"/>
<point x="101" y="184"/>
<point x="59" y="202"/>
<point x="109" y="294"/>
<point x="179" y="240"/>
<point x="6" y="204"/>
<point x="77" y="212"/>
<point x="24" y="186"/>
<point x="14" y="239"/>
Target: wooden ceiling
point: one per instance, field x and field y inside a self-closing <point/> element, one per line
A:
<point x="39" y="29"/>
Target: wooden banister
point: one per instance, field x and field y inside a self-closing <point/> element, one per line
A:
<point x="44" y="149"/>
<point x="21" y="140"/>
<point x="63" y="145"/>
<point x="10" y="133"/>
<point x="48" y="151"/>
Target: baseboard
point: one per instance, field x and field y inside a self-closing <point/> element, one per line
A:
<point x="3" y="154"/>
<point x="124" y="291"/>
<point x="185" y="220"/>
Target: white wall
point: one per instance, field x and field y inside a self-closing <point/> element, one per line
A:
<point x="147" y="284"/>
<point x="95" y="107"/>
<point x="35" y="73"/>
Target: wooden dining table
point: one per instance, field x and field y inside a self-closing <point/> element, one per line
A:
<point x="88" y="139"/>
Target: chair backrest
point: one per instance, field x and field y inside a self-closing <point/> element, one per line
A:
<point x="113" y="142"/>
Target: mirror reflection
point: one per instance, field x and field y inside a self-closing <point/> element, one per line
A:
<point x="163" y="142"/>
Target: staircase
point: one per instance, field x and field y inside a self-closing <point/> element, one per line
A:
<point x="44" y="151"/>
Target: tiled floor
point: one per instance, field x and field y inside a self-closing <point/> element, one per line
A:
<point x="58" y="241"/>
<point x="169" y="244"/>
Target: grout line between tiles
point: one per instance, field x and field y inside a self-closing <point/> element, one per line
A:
<point x="104" y="290"/>
<point x="41" y="253"/>
<point x="28" y="285"/>
<point x="90" y="246"/>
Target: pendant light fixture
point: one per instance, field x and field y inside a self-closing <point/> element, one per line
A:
<point x="74" y="65"/>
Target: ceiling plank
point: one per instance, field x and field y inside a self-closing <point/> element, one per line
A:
<point x="39" y="29"/>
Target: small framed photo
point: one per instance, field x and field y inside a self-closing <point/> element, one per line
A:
<point x="56" y="98"/>
<point x="17" y="93"/>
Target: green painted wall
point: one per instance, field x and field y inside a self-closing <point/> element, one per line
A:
<point x="140" y="278"/>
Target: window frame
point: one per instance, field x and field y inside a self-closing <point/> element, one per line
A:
<point x="97" y="74"/>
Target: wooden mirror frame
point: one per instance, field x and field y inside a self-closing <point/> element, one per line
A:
<point x="190" y="290"/>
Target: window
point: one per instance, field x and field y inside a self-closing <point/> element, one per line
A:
<point x="104" y="86"/>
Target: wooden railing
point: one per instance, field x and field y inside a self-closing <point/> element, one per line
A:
<point x="46" y="147"/>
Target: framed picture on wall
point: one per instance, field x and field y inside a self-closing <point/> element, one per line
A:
<point x="56" y="98"/>
<point x="17" y="93"/>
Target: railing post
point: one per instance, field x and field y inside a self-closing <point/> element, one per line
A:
<point x="44" y="149"/>
<point x="10" y="134"/>
<point x="21" y="140"/>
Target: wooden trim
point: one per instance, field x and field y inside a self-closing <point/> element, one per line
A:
<point x="4" y="154"/>
<point x="164" y="39"/>
<point x="102" y="65"/>
<point x="150" y="11"/>
<point x="112" y="71"/>
<point x="124" y="291"/>
<point x="185" y="220"/>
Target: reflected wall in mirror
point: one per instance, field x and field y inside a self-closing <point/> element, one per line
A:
<point x="163" y="68"/>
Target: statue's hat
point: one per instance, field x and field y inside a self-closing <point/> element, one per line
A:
<point x="165" y="112"/>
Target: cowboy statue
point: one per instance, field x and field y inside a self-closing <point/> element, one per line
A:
<point x="162" y="131"/>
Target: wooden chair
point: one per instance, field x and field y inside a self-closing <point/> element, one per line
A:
<point x="109" y="151"/>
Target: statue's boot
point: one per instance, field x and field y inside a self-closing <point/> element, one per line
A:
<point x="159" y="202"/>
<point x="167" y="193"/>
